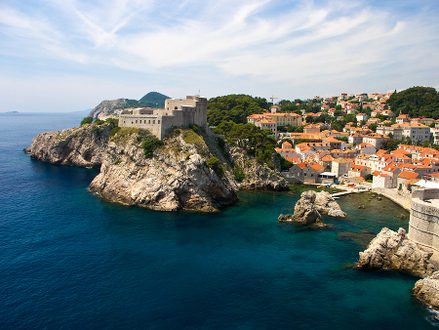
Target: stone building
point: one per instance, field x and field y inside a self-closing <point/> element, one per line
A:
<point x="192" y="110"/>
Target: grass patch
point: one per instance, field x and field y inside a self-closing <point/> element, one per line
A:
<point x="190" y="137"/>
<point x="122" y="134"/>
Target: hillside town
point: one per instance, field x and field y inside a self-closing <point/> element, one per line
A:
<point x="377" y="149"/>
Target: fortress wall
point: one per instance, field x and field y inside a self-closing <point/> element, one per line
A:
<point x="151" y="123"/>
<point x="424" y="218"/>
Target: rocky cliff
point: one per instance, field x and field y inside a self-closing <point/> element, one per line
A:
<point x="311" y="206"/>
<point x="176" y="177"/>
<point x="256" y="176"/>
<point x="393" y="250"/>
<point x="107" y="107"/>
<point x="83" y="146"/>
<point x="427" y="291"/>
<point x="189" y="171"/>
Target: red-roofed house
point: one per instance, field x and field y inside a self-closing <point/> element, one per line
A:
<point x="381" y="180"/>
<point x="358" y="171"/>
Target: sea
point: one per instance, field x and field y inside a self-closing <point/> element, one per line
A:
<point x="70" y="260"/>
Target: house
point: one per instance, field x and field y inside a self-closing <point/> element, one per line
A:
<point x="405" y="176"/>
<point x="366" y="148"/>
<point x="401" y="119"/>
<point x="381" y="180"/>
<point x="311" y="173"/>
<point x="361" y="117"/>
<point x="377" y="140"/>
<point x="358" y="171"/>
<point x="416" y="132"/>
<point x="340" y="166"/>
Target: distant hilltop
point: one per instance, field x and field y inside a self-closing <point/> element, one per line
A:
<point x="152" y="99"/>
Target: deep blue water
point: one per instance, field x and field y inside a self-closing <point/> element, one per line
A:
<point x="70" y="260"/>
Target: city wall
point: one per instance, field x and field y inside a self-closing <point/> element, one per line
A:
<point x="424" y="219"/>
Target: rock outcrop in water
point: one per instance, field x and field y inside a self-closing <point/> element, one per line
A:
<point x="176" y="177"/>
<point x="427" y="290"/>
<point x="309" y="208"/>
<point x="83" y="146"/>
<point x="393" y="250"/>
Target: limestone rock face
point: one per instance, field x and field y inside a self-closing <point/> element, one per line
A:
<point x="393" y="250"/>
<point x="326" y="204"/>
<point x="257" y="176"/>
<point x="177" y="177"/>
<point x="305" y="211"/>
<point x="82" y="146"/>
<point x="427" y="290"/>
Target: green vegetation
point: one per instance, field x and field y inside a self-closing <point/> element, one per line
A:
<point x="342" y="138"/>
<point x="99" y="122"/>
<point x="153" y="100"/>
<point x="369" y="178"/>
<point x="235" y="107"/>
<point x="122" y="134"/>
<point x="257" y="142"/>
<point x="215" y="165"/>
<point x="289" y="128"/>
<point x="284" y="164"/>
<point x="113" y="121"/>
<point x="87" y="120"/>
<point x="238" y="173"/>
<point x="114" y="130"/>
<point x="191" y="137"/>
<point x="416" y="101"/>
<point x="149" y="144"/>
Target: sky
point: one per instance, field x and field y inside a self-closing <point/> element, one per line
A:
<point x="68" y="55"/>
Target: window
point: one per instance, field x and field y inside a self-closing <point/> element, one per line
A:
<point x="153" y="121"/>
<point x="149" y="121"/>
<point x="144" y="121"/>
<point x="158" y="121"/>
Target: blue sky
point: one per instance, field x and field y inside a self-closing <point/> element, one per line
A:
<point x="68" y="55"/>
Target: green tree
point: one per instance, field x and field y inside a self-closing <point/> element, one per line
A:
<point x="87" y="120"/>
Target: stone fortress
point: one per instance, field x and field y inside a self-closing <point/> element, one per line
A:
<point x="192" y="110"/>
<point x="424" y="220"/>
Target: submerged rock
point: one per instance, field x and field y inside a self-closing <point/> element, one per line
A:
<point x="427" y="290"/>
<point x="393" y="250"/>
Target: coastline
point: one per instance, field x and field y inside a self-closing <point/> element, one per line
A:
<point x="392" y="194"/>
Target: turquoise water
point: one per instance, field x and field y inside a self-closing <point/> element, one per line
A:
<point x="71" y="260"/>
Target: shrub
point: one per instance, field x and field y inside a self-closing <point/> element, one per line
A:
<point x="99" y="122"/>
<point x="150" y="144"/>
<point x="238" y="174"/>
<point x="87" y="120"/>
<point x="114" y="130"/>
<point x="113" y="121"/>
<point x="215" y="165"/>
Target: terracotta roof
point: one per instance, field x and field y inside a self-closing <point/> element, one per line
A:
<point x="408" y="175"/>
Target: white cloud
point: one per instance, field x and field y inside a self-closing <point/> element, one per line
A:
<point x="265" y="41"/>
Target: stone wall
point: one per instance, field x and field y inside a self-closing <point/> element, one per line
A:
<point x="424" y="219"/>
<point x="191" y="110"/>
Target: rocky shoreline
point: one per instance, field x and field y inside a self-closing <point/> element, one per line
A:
<point x="178" y="175"/>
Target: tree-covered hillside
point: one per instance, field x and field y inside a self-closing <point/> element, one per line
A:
<point x="235" y="107"/>
<point x="416" y="101"/>
<point x="153" y="100"/>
